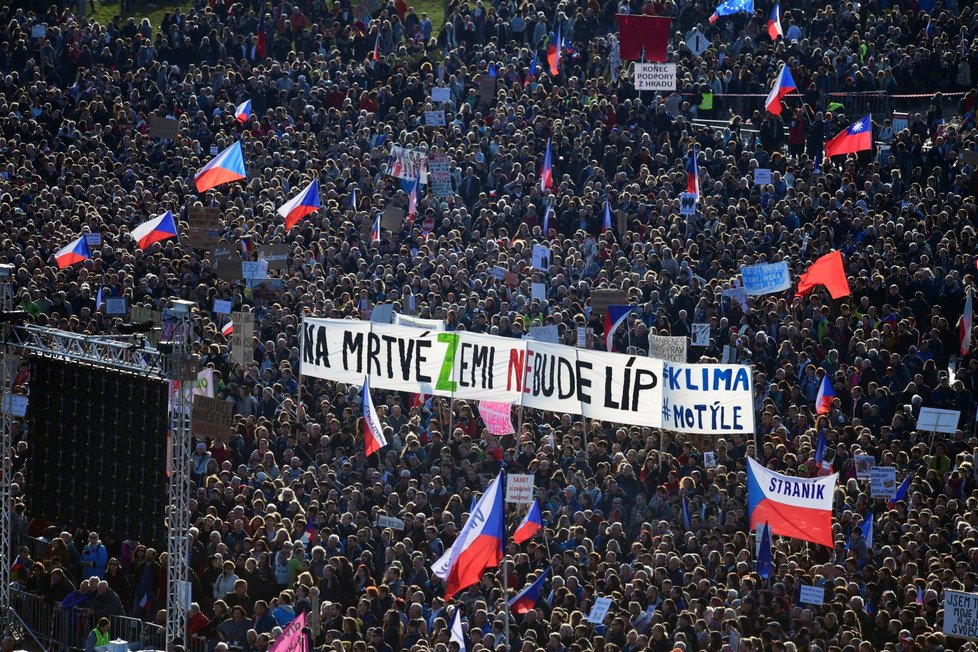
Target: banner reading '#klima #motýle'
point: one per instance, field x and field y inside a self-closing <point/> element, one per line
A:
<point x="634" y="390"/>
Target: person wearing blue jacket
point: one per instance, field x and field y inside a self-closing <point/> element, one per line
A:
<point x="94" y="558"/>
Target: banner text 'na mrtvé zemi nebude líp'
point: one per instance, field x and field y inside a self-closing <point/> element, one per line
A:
<point x="633" y="390"/>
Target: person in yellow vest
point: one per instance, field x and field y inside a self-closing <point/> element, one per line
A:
<point x="704" y="109"/>
<point x="98" y="640"/>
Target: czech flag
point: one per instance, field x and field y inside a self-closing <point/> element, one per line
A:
<point x="305" y="203"/>
<point x="413" y="199"/>
<point x="901" y="491"/>
<point x="228" y="329"/>
<point x="687" y="520"/>
<point x="479" y="545"/>
<point x="75" y="251"/>
<point x="526" y="599"/>
<point x="530" y="524"/>
<point x="547" y="172"/>
<point x="373" y="432"/>
<point x="226" y="167"/>
<point x="546" y="219"/>
<point x="614" y="318"/>
<point x="964" y="326"/>
<point x="857" y="137"/>
<point x="783" y="85"/>
<point x="553" y="53"/>
<point x="829" y="271"/>
<point x="377" y="47"/>
<point x="693" y="174"/>
<point x="531" y="75"/>
<point x="243" y="111"/>
<point x="823" y="402"/>
<point x="793" y="507"/>
<point x="155" y="230"/>
<point x="375" y="232"/>
<point x="774" y="22"/>
<point x="820" y="447"/>
<point x="606" y="223"/>
<point x="352" y="204"/>
<point x="867" y="529"/>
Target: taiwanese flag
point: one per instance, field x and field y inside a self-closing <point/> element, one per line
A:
<point x="783" y="85"/>
<point x="243" y="111"/>
<point x="75" y="251"/>
<point x="693" y="174"/>
<point x="305" y="203"/>
<point x="774" y="22"/>
<point x="546" y="172"/>
<point x="373" y="432"/>
<point x="828" y="271"/>
<point x="530" y="524"/>
<point x="226" y="167"/>
<point x="823" y="403"/>
<point x="155" y="230"/>
<point x="526" y="599"/>
<point x="554" y="53"/>
<point x="615" y="317"/>
<point x="857" y="137"/>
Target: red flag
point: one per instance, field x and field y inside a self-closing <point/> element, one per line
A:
<point x="650" y="33"/>
<point x="857" y="137"/>
<point x="828" y="271"/>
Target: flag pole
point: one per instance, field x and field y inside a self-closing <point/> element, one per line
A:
<point x="505" y="574"/>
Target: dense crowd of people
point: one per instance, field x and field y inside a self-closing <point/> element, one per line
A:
<point x="285" y="512"/>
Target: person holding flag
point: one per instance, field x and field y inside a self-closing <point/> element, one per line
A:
<point x="857" y="137"/>
<point x="613" y="319"/>
<point x="783" y="84"/>
<point x="546" y="171"/>
<point x="554" y="53"/>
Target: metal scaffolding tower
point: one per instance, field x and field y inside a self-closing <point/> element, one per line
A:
<point x="173" y="361"/>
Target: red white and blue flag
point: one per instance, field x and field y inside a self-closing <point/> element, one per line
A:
<point x="693" y="175"/>
<point x="606" y="223"/>
<point x="800" y="508"/>
<point x="546" y="219"/>
<point x="243" y="111"/>
<point x="531" y="75"/>
<point x="413" y="199"/>
<point x="75" y="251"/>
<point x="774" y="22"/>
<point x="305" y="203"/>
<point x="554" y="53"/>
<point x="376" y="54"/>
<point x="901" y="491"/>
<point x="613" y="318"/>
<point x="228" y="329"/>
<point x="226" y="167"/>
<point x="375" y="232"/>
<point x="530" y="524"/>
<point x="857" y="137"/>
<point x="155" y="230"/>
<point x="478" y="547"/>
<point x="546" y="172"/>
<point x="526" y="599"/>
<point x="783" y="85"/>
<point x="373" y="431"/>
<point x="826" y="394"/>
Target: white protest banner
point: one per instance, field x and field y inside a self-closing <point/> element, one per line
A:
<point x="541" y="257"/>
<point x="599" y="610"/>
<point x="406" y="164"/>
<point x="762" y="176"/>
<point x="538" y="291"/>
<point x="882" y="481"/>
<point x="519" y="488"/>
<point x="434" y="118"/>
<point x="581" y="336"/>
<point x="251" y="270"/>
<point x="440" y="175"/>
<point x="116" y="306"/>
<point x="222" y="307"/>
<point x="864" y="465"/>
<point x="441" y="94"/>
<point x="545" y="334"/>
<point x="961" y="614"/>
<point x="812" y="594"/>
<point x="666" y="347"/>
<point x="655" y="76"/>
<point x="937" y="420"/>
<point x="93" y="239"/>
<point x="707" y="398"/>
<point x="390" y="521"/>
<point x="497" y="417"/>
<point x="766" y="278"/>
<point x="607" y="386"/>
<point x="701" y="335"/>
<point x="687" y="203"/>
<point x="709" y="459"/>
<point x="241" y="338"/>
<point x="418" y="322"/>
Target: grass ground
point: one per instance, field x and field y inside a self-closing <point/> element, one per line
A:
<point x="104" y="11"/>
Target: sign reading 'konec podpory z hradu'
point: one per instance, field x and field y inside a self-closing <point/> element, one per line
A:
<point x="612" y="387"/>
